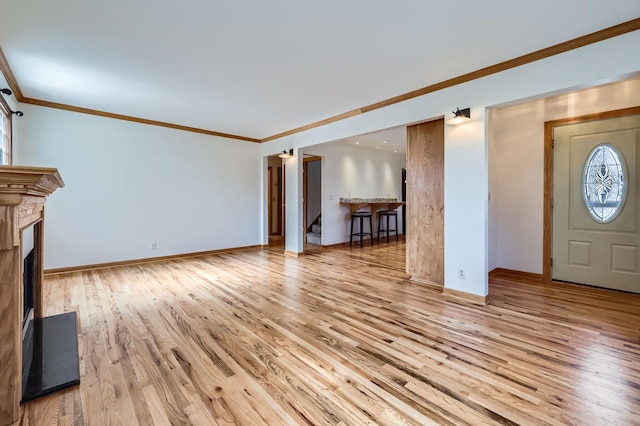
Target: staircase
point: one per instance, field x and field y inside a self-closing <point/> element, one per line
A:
<point x="315" y="236"/>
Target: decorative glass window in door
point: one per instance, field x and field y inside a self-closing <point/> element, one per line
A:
<point x="604" y="181"/>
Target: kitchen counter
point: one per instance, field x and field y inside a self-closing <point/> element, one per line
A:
<point x="374" y="204"/>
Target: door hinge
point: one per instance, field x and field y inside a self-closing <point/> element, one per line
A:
<point x="552" y="203"/>
<point x="552" y="261"/>
<point x="553" y="143"/>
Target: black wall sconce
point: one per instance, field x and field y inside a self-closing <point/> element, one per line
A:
<point x="286" y="154"/>
<point x="460" y="116"/>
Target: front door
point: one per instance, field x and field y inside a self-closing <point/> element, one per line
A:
<point x="596" y="203"/>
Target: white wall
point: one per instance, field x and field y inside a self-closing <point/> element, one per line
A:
<point x="493" y="216"/>
<point x="294" y="232"/>
<point x="466" y="151"/>
<point x="351" y="172"/>
<point x="129" y="184"/>
<point x="314" y="188"/>
<point x="517" y="169"/>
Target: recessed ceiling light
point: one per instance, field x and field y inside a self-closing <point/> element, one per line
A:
<point x="377" y="147"/>
<point x="395" y="150"/>
<point x="384" y="141"/>
<point x="357" y="142"/>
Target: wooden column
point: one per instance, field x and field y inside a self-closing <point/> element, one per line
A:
<point x="425" y="202"/>
<point x="22" y="196"/>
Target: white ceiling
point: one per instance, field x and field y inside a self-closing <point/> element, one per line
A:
<point x="392" y="140"/>
<point x="257" y="68"/>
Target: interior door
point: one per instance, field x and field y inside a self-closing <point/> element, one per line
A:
<point x="596" y="203"/>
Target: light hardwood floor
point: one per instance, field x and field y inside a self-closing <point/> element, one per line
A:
<point x="338" y="337"/>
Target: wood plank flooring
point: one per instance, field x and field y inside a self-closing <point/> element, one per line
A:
<point x="338" y="337"/>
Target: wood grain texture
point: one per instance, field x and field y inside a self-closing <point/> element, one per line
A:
<point x="463" y="295"/>
<point x="425" y="201"/>
<point x="138" y="261"/>
<point x="10" y="77"/>
<point x="373" y="207"/>
<point x="338" y="337"/>
<point x="547" y="235"/>
<point x="547" y="221"/>
<point x="10" y="337"/>
<point x="516" y="275"/>
<point x="99" y="113"/>
<point x="25" y="180"/>
<point x="22" y="197"/>
<point x="5" y="110"/>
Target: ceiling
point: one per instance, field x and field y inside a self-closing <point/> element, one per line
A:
<point x="256" y="68"/>
<point x="393" y="140"/>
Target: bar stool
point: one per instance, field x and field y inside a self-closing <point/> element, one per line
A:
<point x="382" y="214"/>
<point x="361" y="216"/>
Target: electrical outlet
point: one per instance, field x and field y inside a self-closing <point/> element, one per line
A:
<point x="461" y="274"/>
<point x="154" y="245"/>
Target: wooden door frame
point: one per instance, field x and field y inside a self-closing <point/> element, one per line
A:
<point x="547" y="235"/>
<point x="281" y="200"/>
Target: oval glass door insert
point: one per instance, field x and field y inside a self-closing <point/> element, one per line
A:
<point x="604" y="181"/>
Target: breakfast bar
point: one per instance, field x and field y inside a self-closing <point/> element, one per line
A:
<point x="374" y="204"/>
<point x="364" y="208"/>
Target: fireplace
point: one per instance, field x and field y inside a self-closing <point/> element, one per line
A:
<point x="23" y="191"/>
<point x="49" y="344"/>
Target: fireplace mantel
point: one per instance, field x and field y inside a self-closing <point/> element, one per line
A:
<point x="23" y="180"/>
<point x="23" y="191"/>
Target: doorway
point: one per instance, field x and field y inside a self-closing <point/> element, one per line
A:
<point x="312" y="199"/>
<point x="276" y="197"/>
<point x="595" y="200"/>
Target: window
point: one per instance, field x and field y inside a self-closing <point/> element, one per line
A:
<point x="5" y="132"/>
<point x="604" y="181"/>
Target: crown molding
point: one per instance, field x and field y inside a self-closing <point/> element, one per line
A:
<point x="595" y="37"/>
<point x="607" y="33"/>
<point x="5" y="68"/>
<point x="134" y="119"/>
<point x="8" y="75"/>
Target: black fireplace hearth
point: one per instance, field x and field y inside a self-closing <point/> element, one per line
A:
<point x="50" y="356"/>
